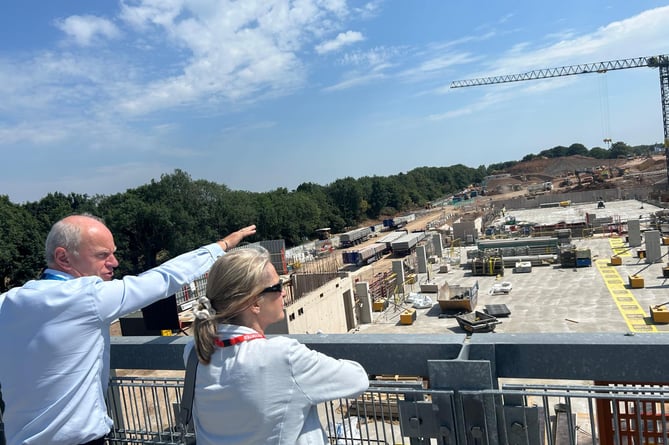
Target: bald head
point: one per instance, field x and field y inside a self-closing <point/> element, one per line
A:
<point x="81" y="245"/>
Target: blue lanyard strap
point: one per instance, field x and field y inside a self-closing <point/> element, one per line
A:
<point x="51" y="276"/>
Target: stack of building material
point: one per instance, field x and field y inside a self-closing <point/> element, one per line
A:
<point x="488" y="265"/>
<point x="572" y="257"/>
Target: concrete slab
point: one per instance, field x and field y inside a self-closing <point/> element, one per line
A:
<point x="551" y="298"/>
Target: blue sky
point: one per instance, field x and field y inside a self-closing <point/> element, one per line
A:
<point x="98" y="97"/>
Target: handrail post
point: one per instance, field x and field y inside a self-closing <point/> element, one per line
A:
<point x="474" y="422"/>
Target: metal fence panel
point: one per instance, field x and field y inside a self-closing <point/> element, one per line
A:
<point x="392" y="413"/>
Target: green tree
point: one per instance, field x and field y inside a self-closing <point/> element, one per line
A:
<point x="141" y="229"/>
<point x="599" y="153"/>
<point x="329" y="214"/>
<point x="56" y="206"/>
<point x="555" y="152"/>
<point x="346" y="195"/>
<point x="379" y="196"/>
<point x="577" y="149"/>
<point x="619" y="150"/>
<point x="21" y="245"/>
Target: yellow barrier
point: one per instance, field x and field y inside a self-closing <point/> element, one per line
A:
<point x="408" y="316"/>
<point x="636" y="282"/>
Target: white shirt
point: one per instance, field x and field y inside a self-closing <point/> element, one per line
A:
<point x="265" y="391"/>
<point x="54" y="344"/>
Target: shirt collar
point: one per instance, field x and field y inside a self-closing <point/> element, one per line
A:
<point x="227" y="330"/>
<point x="54" y="274"/>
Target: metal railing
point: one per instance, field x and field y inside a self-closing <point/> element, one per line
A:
<point x="144" y="411"/>
<point x="452" y="389"/>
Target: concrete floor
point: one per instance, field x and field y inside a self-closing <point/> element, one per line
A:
<point x="551" y="298"/>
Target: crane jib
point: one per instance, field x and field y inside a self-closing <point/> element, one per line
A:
<point x="570" y="70"/>
<point x="661" y="62"/>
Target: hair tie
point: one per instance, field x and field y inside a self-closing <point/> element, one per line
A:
<point x="203" y="310"/>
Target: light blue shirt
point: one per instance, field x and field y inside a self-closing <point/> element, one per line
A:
<point x="265" y="391"/>
<point x="54" y="346"/>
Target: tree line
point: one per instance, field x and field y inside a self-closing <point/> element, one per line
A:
<point x="161" y="219"/>
<point x="169" y="216"/>
<point x="615" y="151"/>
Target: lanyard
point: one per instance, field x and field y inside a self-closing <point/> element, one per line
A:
<point x="51" y="276"/>
<point x="236" y="340"/>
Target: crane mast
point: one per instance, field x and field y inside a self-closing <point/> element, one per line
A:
<point x="661" y="62"/>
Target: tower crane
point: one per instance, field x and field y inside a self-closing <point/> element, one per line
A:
<point x="661" y="62"/>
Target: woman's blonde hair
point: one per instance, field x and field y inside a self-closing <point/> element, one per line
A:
<point x="234" y="281"/>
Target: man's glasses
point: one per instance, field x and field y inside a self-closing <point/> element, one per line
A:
<point x="278" y="287"/>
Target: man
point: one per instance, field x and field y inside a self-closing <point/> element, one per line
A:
<point x="54" y="332"/>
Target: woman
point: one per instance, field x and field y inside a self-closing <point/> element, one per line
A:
<point x="250" y="389"/>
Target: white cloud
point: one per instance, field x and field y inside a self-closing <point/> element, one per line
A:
<point x="437" y="64"/>
<point x="617" y="40"/>
<point x="373" y="57"/>
<point x="505" y="18"/>
<point x="637" y="36"/>
<point x="61" y="84"/>
<point x="343" y="39"/>
<point x="239" y="51"/>
<point x="84" y="30"/>
<point x="354" y="80"/>
<point x="471" y="108"/>
<point x="33" y="134"/>
<point x="369" y="9"/>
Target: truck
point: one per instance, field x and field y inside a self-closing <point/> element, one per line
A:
<point x="398" y="222"/>
<point x="406" y="243"/>
<point x="392" y="236"/>
<point x="539" y="188"/>
<point x="364" y="255"/>
<point x="354" y="237"/>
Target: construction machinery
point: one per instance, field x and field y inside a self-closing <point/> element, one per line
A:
<point x="661" y="62"/>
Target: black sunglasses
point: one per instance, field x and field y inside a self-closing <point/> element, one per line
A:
<point x="278" y="287"/>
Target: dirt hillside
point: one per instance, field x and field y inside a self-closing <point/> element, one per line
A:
<point x="576" y="173"/>
<point x="561" y="166"/>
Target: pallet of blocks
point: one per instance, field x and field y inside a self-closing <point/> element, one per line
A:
<point x="570" y="256"/>
<point x="380" y="405"/>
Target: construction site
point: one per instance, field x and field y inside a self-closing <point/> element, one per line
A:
<point x="568" y="288"/>
<point x="528" y="309"/>
<point x="595" y="269"/>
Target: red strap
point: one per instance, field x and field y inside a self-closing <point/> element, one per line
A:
<point x="239" y="339"/>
